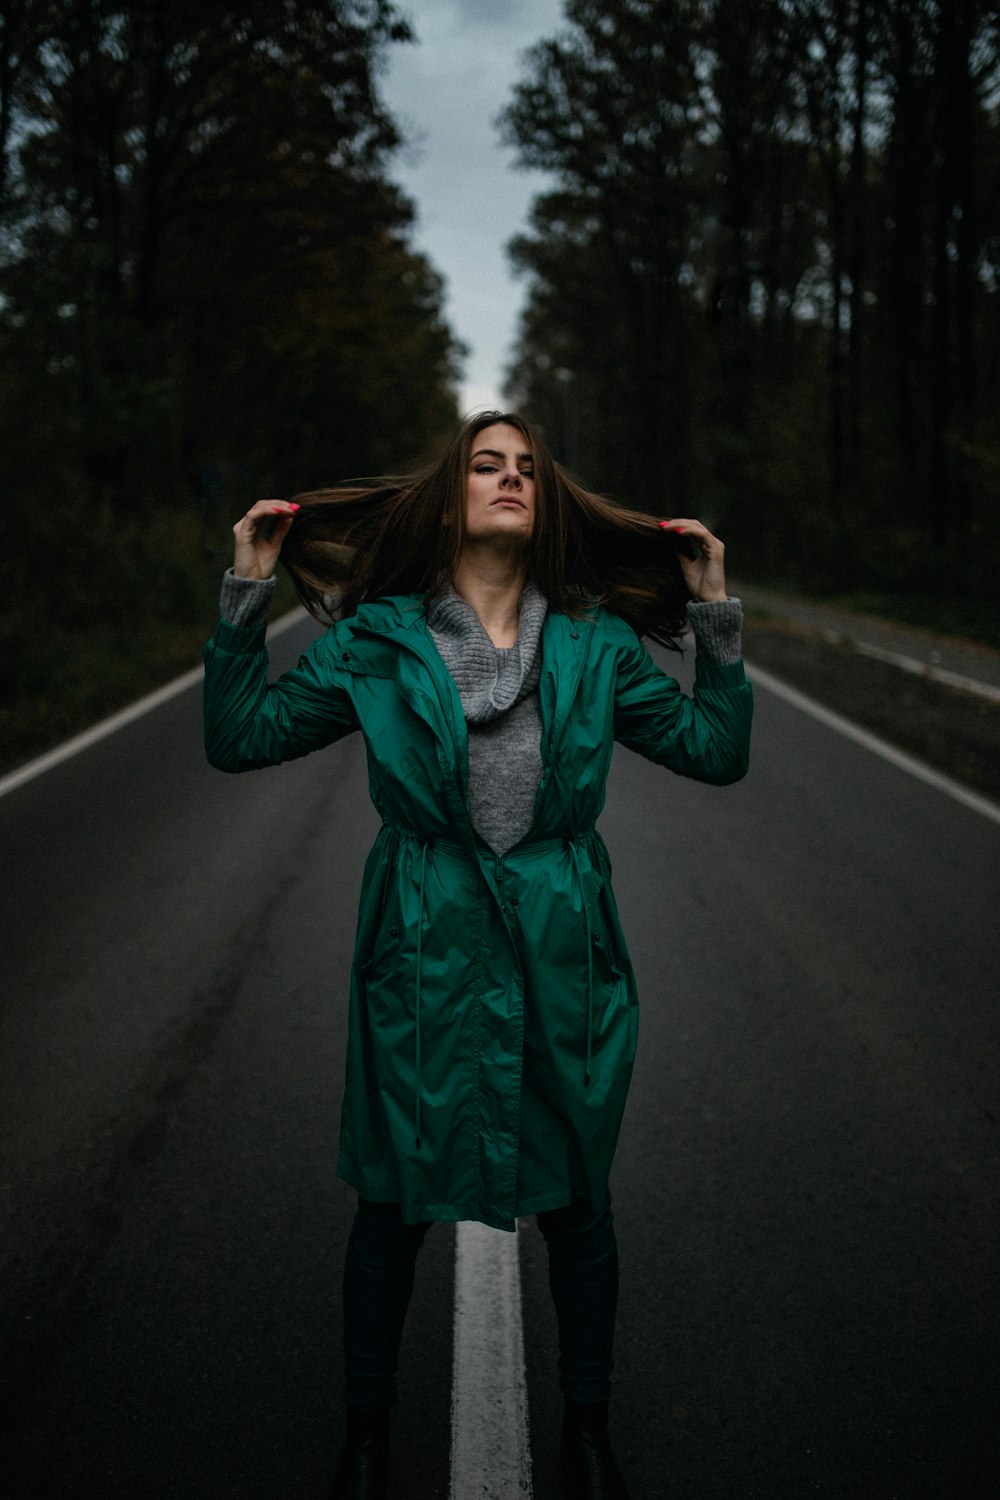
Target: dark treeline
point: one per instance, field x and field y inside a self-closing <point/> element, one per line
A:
<point x="203" y="265"/>
<point x="764" y="288"/>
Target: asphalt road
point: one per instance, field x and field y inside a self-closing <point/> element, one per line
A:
<point x="806" y="1189"/>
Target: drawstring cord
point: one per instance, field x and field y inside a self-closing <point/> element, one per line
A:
<point x="575" y="854"/>
<point x="420" y="965"/>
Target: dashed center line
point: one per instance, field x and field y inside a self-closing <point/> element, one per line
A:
<point x="490" y="1454"/>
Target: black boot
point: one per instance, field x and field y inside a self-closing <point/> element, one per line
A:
<point x="590" y="1471"/>
<point x="363" y="1470"/>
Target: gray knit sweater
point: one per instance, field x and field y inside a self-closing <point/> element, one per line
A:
<point x="498" y="689"/>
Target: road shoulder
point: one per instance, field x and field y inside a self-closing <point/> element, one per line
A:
<point x="955" y="730"/>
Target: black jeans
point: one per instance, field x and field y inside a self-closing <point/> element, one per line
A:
<point x="378" y="1281"/>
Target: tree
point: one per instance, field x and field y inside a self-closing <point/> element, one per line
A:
<point x="781" y="218"/>
<point x="625" y="206"/>
<point x="203" y="261"/>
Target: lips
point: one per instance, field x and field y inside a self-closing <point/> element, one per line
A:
<point x="509" y="500"/>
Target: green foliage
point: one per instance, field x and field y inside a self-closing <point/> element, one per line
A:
<point x="764" y="286"/>
<point x="202" y="263"/>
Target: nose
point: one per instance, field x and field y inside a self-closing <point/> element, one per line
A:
<point x="512" y="477"/>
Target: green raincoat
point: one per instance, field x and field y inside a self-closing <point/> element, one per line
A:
<point x="493" y="1010"/>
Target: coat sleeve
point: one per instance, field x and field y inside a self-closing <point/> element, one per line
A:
<point x="706" y="736"/>
<point x="249" y="723"/>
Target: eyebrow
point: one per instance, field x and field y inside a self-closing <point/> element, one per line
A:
<point x="522" y="458"/>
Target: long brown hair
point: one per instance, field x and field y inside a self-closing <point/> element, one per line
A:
<point x="404" y="535"/>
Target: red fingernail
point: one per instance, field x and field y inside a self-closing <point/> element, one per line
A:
<point x="293" y="506"/>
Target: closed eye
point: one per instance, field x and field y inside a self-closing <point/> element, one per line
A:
<point x="492" y="468"/>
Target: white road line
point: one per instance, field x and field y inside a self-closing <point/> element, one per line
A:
<point x="69" y="748"/>
<point x="872" y="742"/>
<point x="490" y="1456"/>
<point x="916" y="667"/>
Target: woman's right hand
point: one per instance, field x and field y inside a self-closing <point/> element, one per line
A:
<point x="258" y="545"/>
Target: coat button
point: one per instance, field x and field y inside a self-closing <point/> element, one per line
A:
<point x="513" y="901"/>
<point x="394" y="932"/>
<point x="346" y="655"/>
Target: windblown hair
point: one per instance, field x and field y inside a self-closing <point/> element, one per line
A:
<point x="404" y="535"/>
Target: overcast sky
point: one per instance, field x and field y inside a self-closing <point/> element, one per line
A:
<point x="446" y="92"/>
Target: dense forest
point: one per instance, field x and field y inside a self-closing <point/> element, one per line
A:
<point x="207" y="293"/>
<point x="764" y="287"/>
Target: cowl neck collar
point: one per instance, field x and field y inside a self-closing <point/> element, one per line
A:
<point x="490" y="679"/>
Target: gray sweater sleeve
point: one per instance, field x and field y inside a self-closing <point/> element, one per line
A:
<point x="717" y="627"/>
<point x="246" y="601"/>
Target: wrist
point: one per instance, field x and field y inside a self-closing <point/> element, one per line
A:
<point x="715" y="624"/>
<point x="249" y="606"/>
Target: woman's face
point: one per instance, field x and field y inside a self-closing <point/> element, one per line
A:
<point x="500" y="487"/>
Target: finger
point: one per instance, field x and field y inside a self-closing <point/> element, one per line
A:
<point x="271" y="508"/>
<point x="276" y="512"/>
<point x="694" y="540"/>
<point x="279" y="529"/>
<point x="689" y="546"/>
<point x="688" y="525"/>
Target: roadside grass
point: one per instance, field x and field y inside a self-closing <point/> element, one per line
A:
<point x="83" y="676"/>
<point x="968" y="617"/>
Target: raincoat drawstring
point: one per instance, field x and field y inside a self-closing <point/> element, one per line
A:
<point x="420" y="959"/>
<point x="575" y="854"/>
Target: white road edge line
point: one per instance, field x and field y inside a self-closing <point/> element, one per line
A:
<point x="69" y="748"/>
<point x="490" y="1454"/>
<point x="918" y="668"/>
<point x="899" y="758"/>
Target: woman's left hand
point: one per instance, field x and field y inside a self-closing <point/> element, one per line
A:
<point x="705" y="575"/>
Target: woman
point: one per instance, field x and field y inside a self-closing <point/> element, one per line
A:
<point x="487" y="649"/>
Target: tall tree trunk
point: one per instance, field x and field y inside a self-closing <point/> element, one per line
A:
<point x="856" y="255"/>
<point x="10" y="66"/>
<point x="966" y="234"/>
<point x="155" y="44"/>
<point x="953" y="386"/>
<point x="836" y="344"/>
<point x="906" y="175"/>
